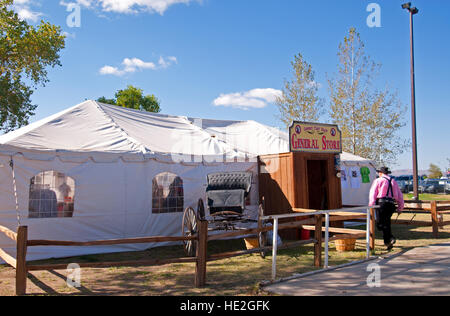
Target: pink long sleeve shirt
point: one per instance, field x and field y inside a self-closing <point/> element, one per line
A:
<point x="380" y="188"/>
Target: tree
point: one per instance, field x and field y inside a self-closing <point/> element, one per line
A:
<point x="25" y="53"/>
<point x="368" y="118"/>
<point x="133" y="98"/>
<point x="107" y="101"/>
<point x="434" y="172"/>
<point x="299" y="101"/>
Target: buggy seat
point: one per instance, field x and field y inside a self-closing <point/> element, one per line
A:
<point x="226" y="191"/>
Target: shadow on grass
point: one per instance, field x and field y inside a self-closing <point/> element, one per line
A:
<point x="240" y="275"/>
<point x="50" y="291"/>
<point x="47" y="289"/>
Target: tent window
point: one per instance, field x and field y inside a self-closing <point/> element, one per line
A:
<point x="167" y="194"/>
<point x="51" y="195"/>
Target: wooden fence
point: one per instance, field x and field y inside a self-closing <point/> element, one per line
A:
<point x="202" y="238"/>
<point x="436" y="210"/>
<point x="22" y="243"/>
<point x="201" y="259"/>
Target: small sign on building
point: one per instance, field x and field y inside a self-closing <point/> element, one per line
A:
<point x="315" y="138"/>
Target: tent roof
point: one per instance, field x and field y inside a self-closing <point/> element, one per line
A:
<point x="102" y="131"/>
<point x="94" y="129"/>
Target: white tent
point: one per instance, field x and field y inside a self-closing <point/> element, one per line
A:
<point x="98" y="171"/>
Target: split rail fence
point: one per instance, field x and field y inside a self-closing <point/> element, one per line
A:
<point x="201" y="238"/>
<point x="314" y="223"/>
<point x="436" y="210"/>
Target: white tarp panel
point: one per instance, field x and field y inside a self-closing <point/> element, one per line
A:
<point x="106" y="129"/>
<point x="94" y="133"/>
<point x="356" y="192"/>
<point x="250" y="137"/>
<point x="112" y="201"/>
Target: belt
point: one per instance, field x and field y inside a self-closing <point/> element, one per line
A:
<point x="386" y="200"/>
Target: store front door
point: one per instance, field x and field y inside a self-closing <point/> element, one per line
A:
<point x="318" y="195"/>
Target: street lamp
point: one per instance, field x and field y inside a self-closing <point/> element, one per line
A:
<point x="412" y="12"/>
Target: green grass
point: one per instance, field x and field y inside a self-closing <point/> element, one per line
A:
<point x="428" y="197"/>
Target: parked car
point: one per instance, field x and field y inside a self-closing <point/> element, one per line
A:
<point x="447" y="186"/>
<point x="434" y="186"/>
<point x="405" y="183"/>
<point x="422" y="186"/>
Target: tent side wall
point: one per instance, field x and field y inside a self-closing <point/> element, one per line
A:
<point x="355" y="190"/>
<point x="112" y="201"/>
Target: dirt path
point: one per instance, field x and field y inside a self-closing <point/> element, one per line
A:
<point x="417" y="272"/>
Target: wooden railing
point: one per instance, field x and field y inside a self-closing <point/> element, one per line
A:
<point x="201" y="259"/>
<point x="328" y="216"/>
<point x="436" y="210"/>
<point x="6" y="257"/>
<point x="22" y="243"/>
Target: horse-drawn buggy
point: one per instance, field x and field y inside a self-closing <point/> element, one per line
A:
<point x="226" y="195"/>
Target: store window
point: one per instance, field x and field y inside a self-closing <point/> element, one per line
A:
<point x="51" y="195"/>
<point x="167" y="194"/>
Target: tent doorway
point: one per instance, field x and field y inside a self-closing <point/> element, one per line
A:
<point x="318" y="195"/>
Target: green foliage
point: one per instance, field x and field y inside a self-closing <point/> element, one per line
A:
<point x="369" y="119"/>
<point x="300" y="101"/>
<point x="133" y="98"/>
<point x="107" y="101"/>
<point x="434" y="172"/>
<point x="25" y="52"/>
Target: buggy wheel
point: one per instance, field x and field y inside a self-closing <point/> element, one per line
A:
<point x="262" y="236"/>
<point x="189" y="228"/>
<point x="201" y="209"/>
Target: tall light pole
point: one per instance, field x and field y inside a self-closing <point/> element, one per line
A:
<point x="412" y="12"/>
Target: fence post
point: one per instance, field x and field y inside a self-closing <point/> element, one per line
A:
<point x="372" y="229"/>
<point x="368" y="222"/>
<point x="200" y="270"/>
<point x="318" y="244"/>
<point x="327" y="238"/>
<point x="434" y="219"/>
<point x="274" y="249"/>
<point x="21" y="268"/>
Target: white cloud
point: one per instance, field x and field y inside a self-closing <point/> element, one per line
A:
<point x="130" y="6"/>
<point x="69" y="35"/>
<point x="22" y="2"/>
<point x="25" y="12"/>
<point x="131" y="65"/>
<point x="256" y="98"/>
<point x="109" y="70"/>
<point x="84" y="3"/>
<point x="165" y="63"/>
<point x="28" y="15"/>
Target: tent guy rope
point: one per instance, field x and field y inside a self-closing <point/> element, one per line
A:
<point x="11" y="164"/>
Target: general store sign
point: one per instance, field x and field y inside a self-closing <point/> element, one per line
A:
<point x="312" y="137"/>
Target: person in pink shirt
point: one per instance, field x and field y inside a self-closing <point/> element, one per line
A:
<point x="386" y="193"/>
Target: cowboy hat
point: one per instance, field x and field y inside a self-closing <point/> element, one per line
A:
<point x="384" y="170"/>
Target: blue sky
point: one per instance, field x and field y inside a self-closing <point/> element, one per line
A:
<point x="195" y="55"/>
